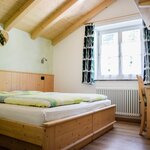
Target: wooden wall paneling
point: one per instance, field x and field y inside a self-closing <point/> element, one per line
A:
<point x="5" y="81"/>
<point x="40" y="83"/>
<point x="35" y="83"/>
<point x="27" y="81"/>
<point x="24" y="81"/>
<point x="49" y="83"/>
<point x="11" y="80"/>
<point x="15" y="81"/>
<point x="31" y="84"/>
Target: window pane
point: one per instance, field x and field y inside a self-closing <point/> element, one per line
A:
<point x="131" y="52"/>
<point x="109" y="54"/>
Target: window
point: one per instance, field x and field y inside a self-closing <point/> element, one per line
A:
<point x="120" y="51"/>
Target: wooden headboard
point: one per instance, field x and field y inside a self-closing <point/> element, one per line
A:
<point x="11" y="80"/>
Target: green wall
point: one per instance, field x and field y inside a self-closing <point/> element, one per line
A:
<point x="21" y="53"/>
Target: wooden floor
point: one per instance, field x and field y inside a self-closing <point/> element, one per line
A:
<point x="124" y="136"/>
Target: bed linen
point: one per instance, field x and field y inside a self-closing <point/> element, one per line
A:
<point x="4" y="94"/>
<point x="52" y="99"/>
<point x="38" y="116"/>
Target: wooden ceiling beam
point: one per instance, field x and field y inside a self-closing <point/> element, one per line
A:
<point x="144" y="3"/>
<point x="100" y="7"/>
<point x="41" y="27"/>
<point x="20" y="13"/>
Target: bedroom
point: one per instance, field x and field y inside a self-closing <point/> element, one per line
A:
<point x="30" y="52"/>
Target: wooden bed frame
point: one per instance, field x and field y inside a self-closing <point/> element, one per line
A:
<point x="68" y="133"/>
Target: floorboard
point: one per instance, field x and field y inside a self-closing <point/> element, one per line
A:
<point x="124" y="136"/>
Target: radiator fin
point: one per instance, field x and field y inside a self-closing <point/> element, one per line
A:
<point x="126" y="100"/>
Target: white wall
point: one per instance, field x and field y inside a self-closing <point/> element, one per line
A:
<point x="68" y="67"/>
<point x="121" y="9"/>
<point x="68" y="64"/>
<point x="21" y="53"/>
<point x="67" y="58"/>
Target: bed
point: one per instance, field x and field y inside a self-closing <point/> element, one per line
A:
<point x="68" y="132"/>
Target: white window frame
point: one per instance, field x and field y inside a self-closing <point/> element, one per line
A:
<point x="99" y="33"/>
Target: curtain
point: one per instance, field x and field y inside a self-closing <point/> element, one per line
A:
<point x="88" y="55"/>
<point x="146" y="55"/>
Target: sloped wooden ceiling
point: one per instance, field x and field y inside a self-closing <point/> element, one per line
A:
<point x="52" y="19"/>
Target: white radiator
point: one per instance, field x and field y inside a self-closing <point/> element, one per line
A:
<point x="126" y="100"/>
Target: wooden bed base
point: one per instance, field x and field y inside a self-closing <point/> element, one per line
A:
<point x="69" y="133"/>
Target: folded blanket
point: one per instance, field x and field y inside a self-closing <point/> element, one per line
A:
<point x="27" y="101"/>
<point x="42" y="100"/>
<point x="91" y="97"/>
<point x="52" y="99"/>
<point x="4" y="94"/>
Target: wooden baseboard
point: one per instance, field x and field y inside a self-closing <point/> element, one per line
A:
<point x="125" y="119"/>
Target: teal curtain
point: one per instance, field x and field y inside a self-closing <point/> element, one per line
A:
<point x="88" y="55"/>
<point x="146" y="55"/>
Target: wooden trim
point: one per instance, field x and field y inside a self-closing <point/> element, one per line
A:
<point x="134" y="120"/>
<point x="49" y="124"/>
<point x="25" y="72"/>
<point x="79" y="141"/>
<point x="101" y="129"/>
<point x="82" y="20"/>
<point x="20" y="13"/>
<point x="66" y="134"/>
<point x="41" y="27"/>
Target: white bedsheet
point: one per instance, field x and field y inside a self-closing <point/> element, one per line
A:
<point x="37" y="116"/>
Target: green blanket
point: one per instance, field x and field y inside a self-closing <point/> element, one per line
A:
<point x="52" y="99"/>
<point x="4" y="95"/>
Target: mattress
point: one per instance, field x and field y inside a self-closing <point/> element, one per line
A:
<point x="38" y="116"/>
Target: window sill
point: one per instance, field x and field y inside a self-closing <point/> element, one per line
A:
<point x="115" y="80"/>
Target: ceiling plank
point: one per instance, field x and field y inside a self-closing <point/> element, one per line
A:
<point x="100" y="7"/>
<point x="20" y="13"/>
<point x="38" y="30"/>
